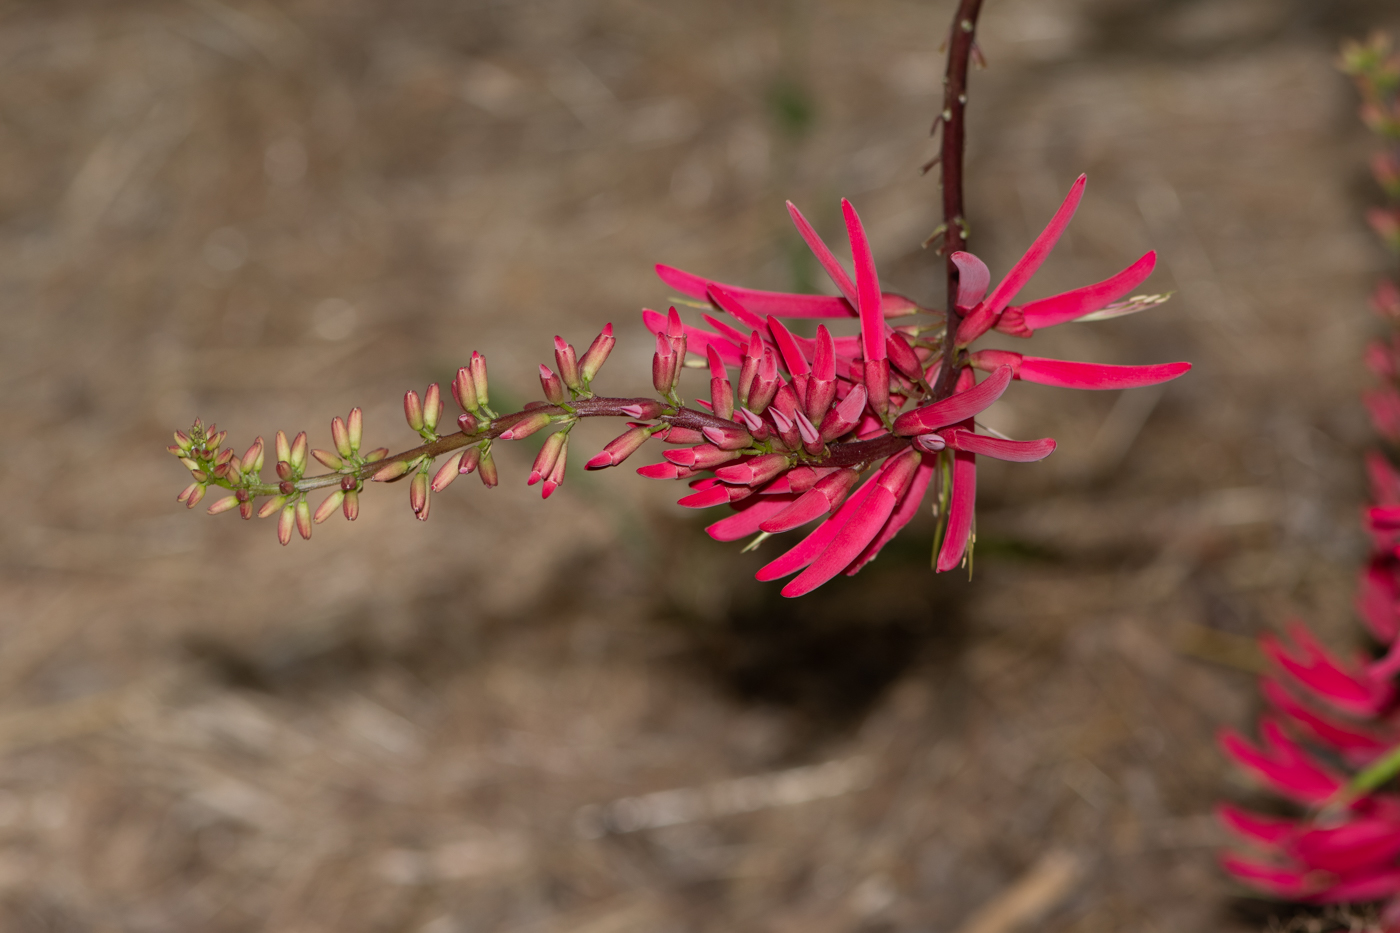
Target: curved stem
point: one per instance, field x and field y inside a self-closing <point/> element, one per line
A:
<point x="960" y="44"/>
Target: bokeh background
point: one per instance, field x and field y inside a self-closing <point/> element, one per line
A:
<point x="266" y="213"/>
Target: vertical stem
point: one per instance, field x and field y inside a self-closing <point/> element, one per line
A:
<point x="960" y="42"/>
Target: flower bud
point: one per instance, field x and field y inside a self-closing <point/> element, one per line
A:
<point x="182" y="440"/>
<point x="903" y="357"/>
<point x="285" y="471"/>
<point x="665" y="366"/>
<point x="487" y="470"/>
<point x="464" y="390"/>
<point x="303" y="518"/>
<point x="447" y="472"/>
<point x="187" y="492"/>
<point x="329" y="460"/>
<point x="642" y="411"/>
<point x="596" y="354"/>
<point x="355" y="426"/>
<point x="844" y="416"/>
<point x="351" y="506"/>
<point x="728" y="438"/>
<point x="811" y="437"/>
<point x="271" y="505"/>
<point x="930" y="442"/>
<point x="245" y="509"/>
<point x="328" y="506"/>
<point x="556" y="475"/>
<point x="391" y="471"/>
<point x="675" y="434"/>
<point x="552" y="385"/>
<point x="285" y="520"/>
<point x="190" y="464"/>
<point x="253" y="458"/>
<point x="567" y="361"/>
<point x="349" y="483"/>
<point x="432" y="407"/>
<point x="413" y="409"/>
<point x="286" y="488"/>
<point x="478" y="371"/>
<point x="665" y="470"/>
<point x="619" y="448"/>
<point x="418" y="492"/>
<point x="283" y="447"/>
<point x="377" y="454"/>
<point x="877" y="384"/>
<point x="470" y="458"/>
<point x="299" y="451"/>
<point x="755" y="471"/>
<point x="703" y="457"/>
<point x="340" y="435"/>
<point x="526" y="426"/>
<point x="544" y="460"/>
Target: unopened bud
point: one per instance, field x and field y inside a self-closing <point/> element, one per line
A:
<point x="253" y="457"/>
<point x="185" y="493"/>
<point x="303" y="514"/>
<point x="526" y="426"/>
<point x="464" y="390"/>
<point x="190" y="464"/>
<point x="447" y="472"/>
<point x="432" y="407"/>
<point x="418" y="492"/>
<point x="567" y="360"/>
<point x="245" y="509"/>
<point x="328" y="506"/>
<point x="391" y="471"/>
<point x="642" y="411"/>
<point x="596" y="354"/>
<point x="702" y="457"/>
<point x="348" y="483"/>
<point x="470" y="459"/>
<point x="285" y="521"/>
<point x="478" y="371"/>
<point x="340" y="435"/>
<point x="284" y="470"/>
<point x="286" y="487"/>
<point x="328" y="459"/>
<point x="283" y="446"/>
<point x="552" y="385"/>
<point x="413" y="409"/>
<point x="619" y="448"/>
<point x="271" y="505"/>
<point x="351" y="506"/>
<point x="728" y="438"/>
<point x="556" y="475"/>
<point x="544" y="460"/>
<point x="377" y="454"/>
<point x="487" y="470"/>
<point x="355" y="427"/>
<point x="182" y="440"/>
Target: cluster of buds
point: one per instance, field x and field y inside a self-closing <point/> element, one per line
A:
<point x="1331" y="738"/>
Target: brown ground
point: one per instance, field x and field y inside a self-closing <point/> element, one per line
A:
<point x="267" y="213"/>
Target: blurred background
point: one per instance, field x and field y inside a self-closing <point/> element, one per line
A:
<point x="584" y="715"/>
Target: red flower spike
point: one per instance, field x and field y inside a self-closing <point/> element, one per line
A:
<point x="596" y="354"/>
<point x="811" y="546"/>
<point x="862" y="528"/>
<point x="973" y="279"/>
<point x="755" y="471"/>
<point x="1069" y="306"/>
<point x="872" y="320"/>
<point x="1356" y="692"/>
<point x="793" y="360"/>
<point x="412" y="410"/>
<point x="958" y="534"/>
<point x="999" y="448"/>
<point x="567" y="361"/>
<point x="464" y="391"/>
<point x="328" y="506"/>
<point x="843" y="417"/>
<point x="552" y="385"/>
<point x="544" y="460"/>
<point x="619" y="448"/>
<point x="526" y="426"/>
<point x="556" y="475"/>
<point x="824" y="256"/>
<point x="470" y="458"/>
<point x="828" y="494"/>
<point x="747" y="521"/>
<point x="955" y="408"/>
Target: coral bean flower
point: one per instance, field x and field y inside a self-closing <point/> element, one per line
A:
<point x="818" y="412"/>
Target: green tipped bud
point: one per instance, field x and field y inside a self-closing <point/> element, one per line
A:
<point x="418" y="492"/>
<point x="303" y="516"/>
<point x="351" y="505"/>
<point x="355" y="427"/>
<point x="526" y="426"/>
<point x="413" y="409"/>
<point x="283" y="448"/>
<point x="285" y="521"/>
<point x="298" y="457"/>
<point x="432" y="407"/>
<point x="448" y="471"/>
<point x="594" y="357"/>
<point x="253" y="458"/>
<point x="271" y="505"/>
<point x="478" y="370"/>
<point x="188" y="491"/>
<point x="470" y="458"/>
<point x="377" y="454"/>
<point x="191" y="465"/>
<point x="391" y="471"/>
<point x="328" y="506"/>
<point x="328" y="459"/>
<point x="182" y="440"/>
<point x="486" y="469"/>
<point x="464" y="390"/>
<point x="223" y="505"/>
<point x="341" y="436"/>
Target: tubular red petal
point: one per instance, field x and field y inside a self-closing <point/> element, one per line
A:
<point x="1027" y="265"/>
<point x="824" y="360"/>
<point x="728" y="301"/>
<point x="706" y="498"/>
<point x="1286" y="883"/>
<point x="717" y="370"/>
<point x="1282" y="765"/>
<point x="1360" y="747"/>
<point x="824" y="256"/>
<point x="1015" y="451"/>
<point x="782" y="304"/>
<point x="1376" y="598"/>
<point x="1057" y="309"/>
<point x="1068" y="374"/>
<point x="904" y="513"/>
<point x="847" y="543"/>
<point x="747" y="521"/>
<point x="872" y="319"/>
<point x="973" y="278"/>
<point x="810" y="505"/>
<point x="696" y="337"/>
<point x="811" y="546"/>
<point x="793" y="359"/>
<point x="955" y="408"/>
<point x="960" y="510"/>
<point x="1267" y="830"/>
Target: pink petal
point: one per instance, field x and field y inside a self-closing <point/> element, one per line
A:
<point x="810" y="505"/>
<point x="1370" y="886"/>
<point x="1282" y="765"/>
<point x="1074" y="375"/>
<point x="1346" y="850"/>
<point x="729" y="301"/>
<point x="1058" y="309"/>
<point x="973" y="278"/>
<point x="792" y="355"/>
<point x="954" y="408"/>
<point x="1359" y="746"/>
<point x="1353" y="692"/>
<point x="1015" y="451"/>
<point x="904" y="513"/>
<point x="824" y="256"/>
<point x="782" y="304"/>
<point x="744" y="523"/>
<point x="872" y="320"/>
<point x="960" y="511"/>
<point x="1027" y="265"/>
<point x="808" y="549"/>
<point x="1269" y="831"/>
<point x="1287" y="883"/>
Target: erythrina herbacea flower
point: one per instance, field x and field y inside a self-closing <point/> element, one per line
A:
<point x="814" y="414"/>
